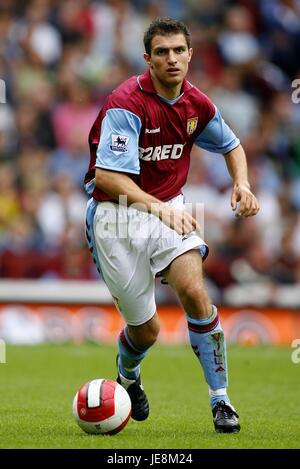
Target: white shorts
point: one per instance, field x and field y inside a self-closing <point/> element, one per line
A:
<point x="130" y="248"/>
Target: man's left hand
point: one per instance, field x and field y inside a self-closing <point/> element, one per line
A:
<point x="248" y="203"/>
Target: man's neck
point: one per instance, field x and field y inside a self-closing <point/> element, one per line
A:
<point x="166" y="92"/>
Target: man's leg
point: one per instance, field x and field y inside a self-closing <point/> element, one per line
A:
<point x="125" y="269"/>
<point x="206" y="334"/>
<point x="133" y="343"/>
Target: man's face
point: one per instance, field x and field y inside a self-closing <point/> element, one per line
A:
<point x="169" y="59"/>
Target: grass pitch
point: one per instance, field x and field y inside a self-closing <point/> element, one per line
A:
<point x="38" y="385"/>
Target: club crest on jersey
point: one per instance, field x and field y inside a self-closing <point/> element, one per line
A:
<point x="119" y="143"/>
<point x="191" y="125"/>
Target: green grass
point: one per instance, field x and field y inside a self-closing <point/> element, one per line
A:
<point x="38" y="385"/>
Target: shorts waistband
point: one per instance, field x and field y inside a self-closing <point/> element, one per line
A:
<point x="112" y="205"/>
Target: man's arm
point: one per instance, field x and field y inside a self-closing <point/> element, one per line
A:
<point x="219" y="138"/>
<point x="119" y="184"/>
<point x="241" y="192"/>
<point x="117" y="155"/>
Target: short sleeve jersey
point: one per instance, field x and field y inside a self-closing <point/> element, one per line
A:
<point x="149" y="138"/>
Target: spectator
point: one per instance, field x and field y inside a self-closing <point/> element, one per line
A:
<point x="60" y="59"/>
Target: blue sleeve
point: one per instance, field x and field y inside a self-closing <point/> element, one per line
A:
<point x="217" y="136"/>
<point x="118" y="146"/>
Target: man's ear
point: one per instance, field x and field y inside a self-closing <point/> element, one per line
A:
<point x="147" y="58"/>
<point x="190" y="53"/>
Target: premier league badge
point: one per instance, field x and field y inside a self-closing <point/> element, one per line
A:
<point x="119" y="143"/>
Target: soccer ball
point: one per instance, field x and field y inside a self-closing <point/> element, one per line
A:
<point x="102" y="406"/>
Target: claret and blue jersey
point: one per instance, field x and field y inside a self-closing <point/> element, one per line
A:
<point x="150" y="138"/>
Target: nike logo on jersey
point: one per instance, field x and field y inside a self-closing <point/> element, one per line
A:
<point x="152" y="131"/>
<point x="163" y="152"/>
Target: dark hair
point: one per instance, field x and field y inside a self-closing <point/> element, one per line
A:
<point x="164" y="26"/>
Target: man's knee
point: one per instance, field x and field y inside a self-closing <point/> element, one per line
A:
<point x="195" y="299"/>
<point x="191" y="293"/>
<point x="146" y="334"/>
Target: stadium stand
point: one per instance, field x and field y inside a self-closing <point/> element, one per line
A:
<point x="59" y="60"/>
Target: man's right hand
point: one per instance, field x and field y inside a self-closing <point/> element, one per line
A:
<point x="118" y="184"/>
<point x="179" y="220"/>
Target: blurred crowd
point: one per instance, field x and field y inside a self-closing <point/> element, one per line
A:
<point x="59" y="60"/>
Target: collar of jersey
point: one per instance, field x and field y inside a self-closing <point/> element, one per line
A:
<point x="145" y="83"/>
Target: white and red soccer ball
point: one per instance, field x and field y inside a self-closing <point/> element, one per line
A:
<point x="102" y="406"/>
